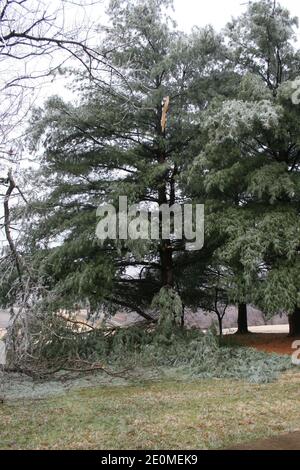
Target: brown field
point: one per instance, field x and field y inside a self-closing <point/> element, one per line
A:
<point x="279" y="343"/>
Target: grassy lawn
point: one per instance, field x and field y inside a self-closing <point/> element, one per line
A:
<point x="158" y="415"/>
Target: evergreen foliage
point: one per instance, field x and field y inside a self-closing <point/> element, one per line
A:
<point x="111" y="143"/>
<point x="231" y="141"/>
<point x="248" y="172"/>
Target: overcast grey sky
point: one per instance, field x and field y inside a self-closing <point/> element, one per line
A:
<point x="216" y="12"/>
<point x="187" y="13"/>
<point x="202" y="12"/>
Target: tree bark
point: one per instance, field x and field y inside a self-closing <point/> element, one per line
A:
<point x="220" y="322"/>
<point x="242" y="319"/>
<point x="182" y="316"/>
<point x="166" y="258"/>
<point x="294" y="322"/>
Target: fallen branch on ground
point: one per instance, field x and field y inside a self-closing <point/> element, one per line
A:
<point x="78" y="366"/>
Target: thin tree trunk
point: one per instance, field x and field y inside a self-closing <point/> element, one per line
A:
<point x="294" y="322"/>
<point x="182" y="316"/>
<point x="220" y="326"/>
<point x="11" y="243"/>
<point x="242" y="319"/>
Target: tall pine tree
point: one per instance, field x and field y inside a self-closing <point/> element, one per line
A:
<point x="114" y="142"/>
<point x="249" y="170"/>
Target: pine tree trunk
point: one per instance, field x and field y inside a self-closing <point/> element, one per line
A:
<point x="294" y="322"/>
<point x="242" y="319"/>
<point x="166" y="260"/>
<point x="183" y="316"/>
<point x="166" y="252"/>
<point x="220" y="322"/>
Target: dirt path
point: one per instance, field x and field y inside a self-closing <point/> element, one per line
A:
<point x="289" y="441"/>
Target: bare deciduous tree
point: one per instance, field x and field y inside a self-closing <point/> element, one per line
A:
<point x="37" y="38"/>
